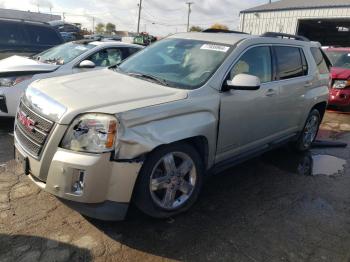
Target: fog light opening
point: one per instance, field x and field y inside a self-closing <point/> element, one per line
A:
<point x="78" y="181"/>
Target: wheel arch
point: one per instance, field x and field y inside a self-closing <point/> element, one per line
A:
<point x="321" y="107"/>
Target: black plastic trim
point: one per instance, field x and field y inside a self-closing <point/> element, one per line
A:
<point x="223" y="165"/>
<point x="3" y="107"/>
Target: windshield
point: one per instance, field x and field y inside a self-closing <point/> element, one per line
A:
<point x="179" y="63"/>
<point x="63" y="54"/>
<point x="339" y="58"/>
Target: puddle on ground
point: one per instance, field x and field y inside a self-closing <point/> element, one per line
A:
<point x="327" y="165"/>
<point x="307" y="164"/>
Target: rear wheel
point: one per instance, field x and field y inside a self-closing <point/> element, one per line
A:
<point x="169" y="181"/>
<point x="309" y="133"/>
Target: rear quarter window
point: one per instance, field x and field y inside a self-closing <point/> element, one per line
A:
<point x="42" y="35"/>
<point x="321" y="61"/>
<point x="12" y="34"/>
<point x="291" y="62"/>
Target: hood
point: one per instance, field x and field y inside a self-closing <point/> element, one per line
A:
<point x="340" y="73"/>
<point x="23" y="64"/>
<point x="103" y="91"/>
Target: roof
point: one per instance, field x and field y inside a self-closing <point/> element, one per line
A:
<point x="224" y="38"/>
<point x="234" y="38"/>
<point x="298" y="4"/>
<point x="27" y="15"/>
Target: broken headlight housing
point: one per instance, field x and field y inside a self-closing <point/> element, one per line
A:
<point x="91" y="133"/>
<point x="13" y="80"/>
<point x="340" y="84"/>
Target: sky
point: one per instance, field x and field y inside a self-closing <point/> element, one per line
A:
<point x="159" y="17"/>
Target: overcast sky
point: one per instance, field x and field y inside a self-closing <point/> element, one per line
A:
<point x="159" y="17"/>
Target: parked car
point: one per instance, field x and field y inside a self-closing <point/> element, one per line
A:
<point x="69" y="32"/>
<point x="17" y="72"/>
<point x="151" y="129"/>
<point x="26" y="38"/>
<point x="68" y="37"/>
<point x="339" y="93"/>
<point x="103" y="37"/>
<point x="144" y="39"/>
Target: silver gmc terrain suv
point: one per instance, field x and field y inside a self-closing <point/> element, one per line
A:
<point x="149" y="130"/>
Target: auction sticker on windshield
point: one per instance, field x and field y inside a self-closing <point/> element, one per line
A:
<point x="219" y="48"/>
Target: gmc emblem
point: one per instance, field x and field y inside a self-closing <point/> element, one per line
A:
<point x="26" y="121"/>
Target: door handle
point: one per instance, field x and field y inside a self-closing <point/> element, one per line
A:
<point x="308" y="84"/>
<point x="270" y="92"/>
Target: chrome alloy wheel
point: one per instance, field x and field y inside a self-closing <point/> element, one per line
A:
<point x="310" y="130"/>
<point x="173" y="180"/>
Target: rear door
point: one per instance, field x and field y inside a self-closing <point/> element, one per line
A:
<point x="294" y="81"/>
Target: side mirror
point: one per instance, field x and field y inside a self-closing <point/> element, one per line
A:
<point x="87" y="64"/>
<point x="244" y="82"/>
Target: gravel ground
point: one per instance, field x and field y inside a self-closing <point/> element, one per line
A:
<point x="278" y="207"/>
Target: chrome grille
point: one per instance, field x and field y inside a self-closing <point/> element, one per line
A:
<point x="32" y="138"/>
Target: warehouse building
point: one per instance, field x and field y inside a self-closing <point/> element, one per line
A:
<point x="27" y="15"/>
<point x="326" y="21"/>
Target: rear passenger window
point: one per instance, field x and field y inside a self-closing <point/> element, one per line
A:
<point x="291" y="62"/>
<point x="320" y="60"/>
<point x="256" y="62"/>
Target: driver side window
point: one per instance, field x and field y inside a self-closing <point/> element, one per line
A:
<point x="256" y="61"/>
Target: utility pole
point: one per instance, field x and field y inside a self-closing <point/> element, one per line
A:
<point x="63" y="17"/>
<point x="189" y="13"/>
<point x="93" y="25"/>
<point x="138" y="22"/>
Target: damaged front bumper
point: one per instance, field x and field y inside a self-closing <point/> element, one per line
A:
<point x="92" y="184"/>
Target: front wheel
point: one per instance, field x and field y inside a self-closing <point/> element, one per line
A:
<point x="309" y="133"/>
<point x="169" y="181"/>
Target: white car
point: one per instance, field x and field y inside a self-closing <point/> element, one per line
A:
<point x="17" y="72"/>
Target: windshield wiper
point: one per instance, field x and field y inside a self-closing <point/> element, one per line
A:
<point x="154" y="78"/>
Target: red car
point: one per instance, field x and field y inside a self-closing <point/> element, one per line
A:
<point x="339" y="92"/>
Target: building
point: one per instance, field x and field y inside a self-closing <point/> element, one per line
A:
<point x="326" y="21"/>
<point x="27" y="15"/>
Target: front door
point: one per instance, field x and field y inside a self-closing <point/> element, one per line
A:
<point x="247" y="117"/>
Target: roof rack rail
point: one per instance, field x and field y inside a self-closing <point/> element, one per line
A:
<point x="213" y="30"/>
<point x="288" y="36"/>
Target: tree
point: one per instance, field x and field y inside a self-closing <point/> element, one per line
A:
<point x="196" y="29"/>
<point x="100" y="28"/>
<point x="219" y="26"/>
<point x="110" y="28"/>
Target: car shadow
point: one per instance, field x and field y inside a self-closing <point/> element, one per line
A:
<point x="251" y="212"/>
<point x="33" y="248"/>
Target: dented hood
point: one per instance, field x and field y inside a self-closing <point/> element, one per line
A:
<point x="105" y="91"/>
<point x="19" y="64"/>
<point x="340" y="73"/>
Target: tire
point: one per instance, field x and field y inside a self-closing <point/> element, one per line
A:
<point x="309" y="132"/>
<point x="174" y="188"/>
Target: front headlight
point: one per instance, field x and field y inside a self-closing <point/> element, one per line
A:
<point x="92" y="133"/>
<point x="13" y="80"/>
<point x="339" y="84"/>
